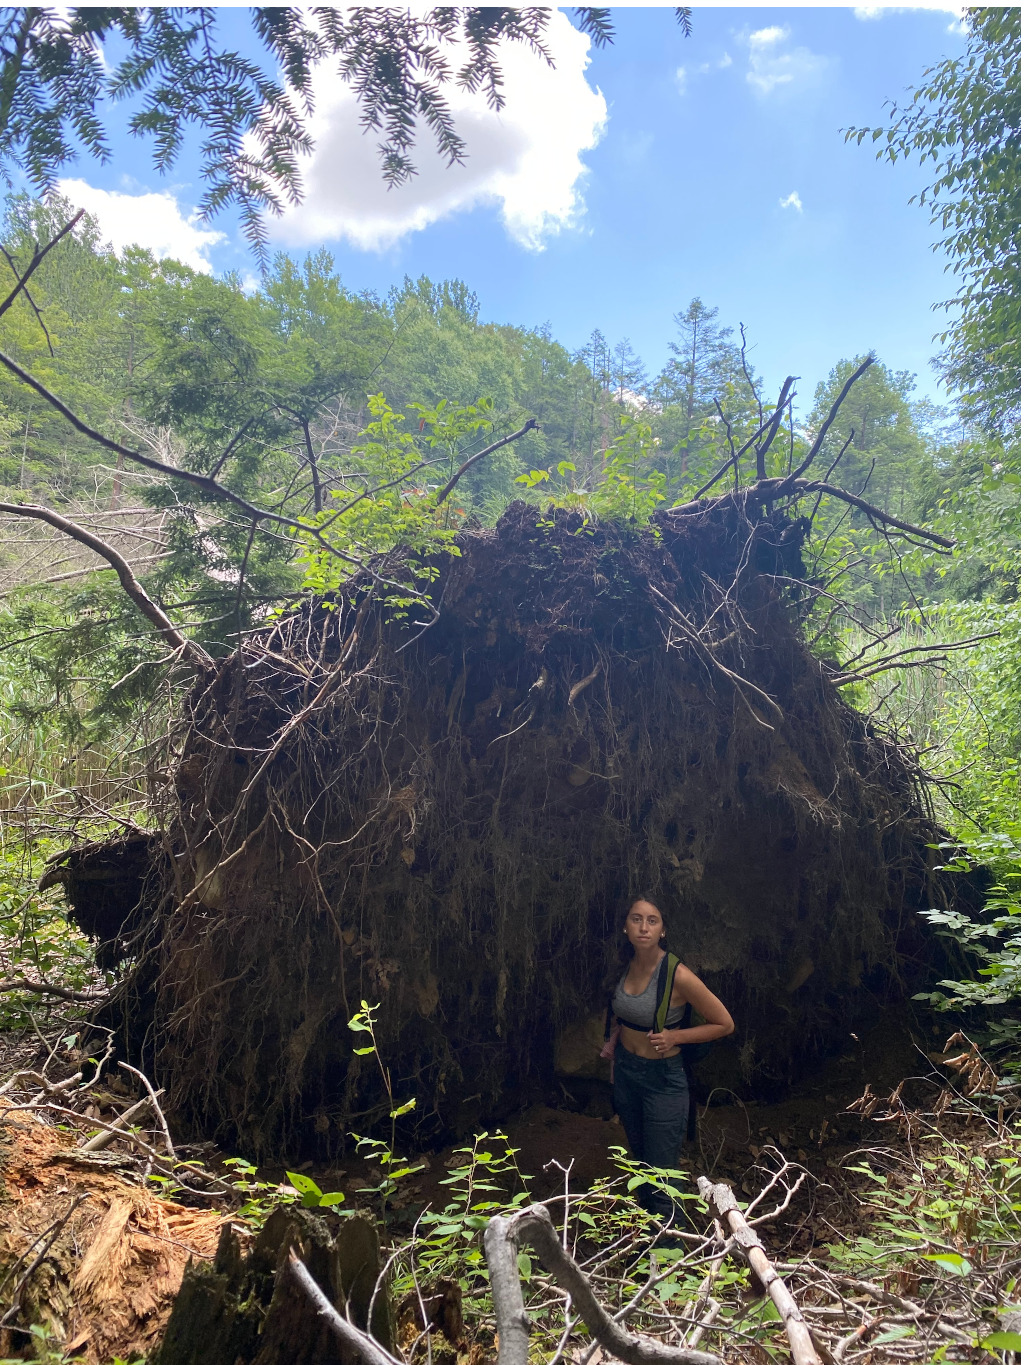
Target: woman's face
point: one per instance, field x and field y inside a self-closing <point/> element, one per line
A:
<point x="644" y="926"/>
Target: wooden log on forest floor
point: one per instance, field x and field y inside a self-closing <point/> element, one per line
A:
<point x="722" y="1198"/>
<point x="246" y="1309"/>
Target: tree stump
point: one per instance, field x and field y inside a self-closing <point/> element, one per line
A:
<point x="240" y="1311"/>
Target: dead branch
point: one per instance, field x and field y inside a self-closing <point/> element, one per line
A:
<point x="529" y="425"/>
<point x="44" y="988"/>
<point x="774" y="423"/>
<point x="195" y="654"/>
<point x="833" y="413"/>
<point x="722" y="1198"/>
<point x="368" y="1350"/>
<point x="534" y="1225"/>
<point x="769" y="425"/>
<point x="881" y="665"/>
<point x="203" y="482"/>
<point x="507" y="1293"/>
<point x="38" y="256"/>
<point x="154" y="1098"/>
<point x="875" y="513"/>
<point x="101" y="1140"/>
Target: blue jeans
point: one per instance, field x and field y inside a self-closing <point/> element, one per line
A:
<point x="652" y="1100"/>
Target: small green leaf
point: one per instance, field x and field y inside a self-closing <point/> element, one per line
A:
<point x="525" y="1265"/>
<point x="403" y="1108"/>
<point x="893" y="1334"/>
<point x="363" y="1051"/>
<point x="302" y="1182"/>
<point x="328" y="1201"/>
<point x="951" y="1262"/>
<point x="1002" y="1341"/>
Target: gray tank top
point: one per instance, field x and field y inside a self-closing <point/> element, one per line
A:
<point x="638" y="1011"/>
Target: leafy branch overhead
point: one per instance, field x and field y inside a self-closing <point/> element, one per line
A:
<point x="180" y="75"/>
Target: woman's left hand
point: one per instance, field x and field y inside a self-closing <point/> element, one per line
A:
<point x="662" y="1042"/>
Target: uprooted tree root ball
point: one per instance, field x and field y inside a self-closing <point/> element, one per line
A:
<point x="450" y="821"/>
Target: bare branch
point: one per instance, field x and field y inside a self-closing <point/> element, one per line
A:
<point x="44" y="988"/>
<point x="880" y="665"/>
<point x="529" y="425"/>
<point x="875" y="513"/>
<point x="723" y="1199"/>
<point x="534" y="1225"/>
<point x="38" y="256"/>
<point x="203" y="482"/>
<point x="774" y="423"/>
<point x="195" y="654"/>
<point x="101" y="1140"/>
<point x="154" y="1098"/>
<point x="507" y="1293"/>
<point x="692" y="505"/>
<point x="833" y="413"/>
<point x="368" y="1350"/>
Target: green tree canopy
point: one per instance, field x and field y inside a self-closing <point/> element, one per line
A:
<point x="965" y="121"/>
<point x="56" y="81"/>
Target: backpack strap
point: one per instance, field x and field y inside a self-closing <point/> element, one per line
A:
<point x="691" y="1116"/>
<point x="666" y="980"/>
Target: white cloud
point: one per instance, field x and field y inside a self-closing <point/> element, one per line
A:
<point x="152" y="220"/>
<point x="525" y="158"/>
<point x="770" y="67"/>
<point x="767" y="37"/>
<point x="723" y="62"/>
<point x="792" y="201"/>
<point x="681" y="78"/>
<point x="879" y="11"/>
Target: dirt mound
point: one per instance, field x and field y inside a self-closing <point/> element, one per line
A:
<point x="450" y="819"/>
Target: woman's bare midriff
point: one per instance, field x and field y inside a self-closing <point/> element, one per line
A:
<point x="641" y="1046"/>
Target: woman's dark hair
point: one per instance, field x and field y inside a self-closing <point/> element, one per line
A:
<point x="649" y="900"/>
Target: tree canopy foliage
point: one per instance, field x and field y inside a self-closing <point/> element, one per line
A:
<point x="173" y="66"/>
<point x="964" y="121"/>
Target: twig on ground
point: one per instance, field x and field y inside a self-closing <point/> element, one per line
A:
<point x="154" y="1099"/>
<point x="118" y="1128"/>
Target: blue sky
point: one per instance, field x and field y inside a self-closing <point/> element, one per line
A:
<point x="635" y="177"/>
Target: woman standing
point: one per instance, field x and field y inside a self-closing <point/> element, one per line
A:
<point x="652" y="1097"/>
